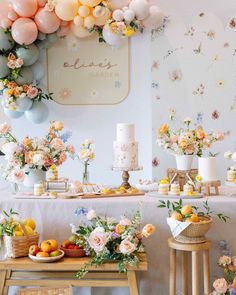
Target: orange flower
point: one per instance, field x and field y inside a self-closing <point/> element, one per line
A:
<point x="11" y="84"/>
<point x="29" y="157"/>
<point x="183" y="143"/>
<point x="148" y="230"/>
<point x="119" y="229"/>
<point x="27" y="141"/>
<point x="25" y="87"/>
<point x="163" y="129"/>
<point x="11" y="56"/>
<point x="200" y="133"/>
<point x="17" y="92"/>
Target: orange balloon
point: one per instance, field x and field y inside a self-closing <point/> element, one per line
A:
<point x="91" y="3"/>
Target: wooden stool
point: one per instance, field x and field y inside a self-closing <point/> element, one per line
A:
<point x="185" y="248"/>
<point x="25" y="272"/>
<point x="207" y="185"/>
<point x="46" y="291"/>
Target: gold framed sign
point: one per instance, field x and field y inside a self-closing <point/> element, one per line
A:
<point x="88" y="72"/>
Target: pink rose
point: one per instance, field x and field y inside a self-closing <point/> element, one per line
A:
<point x="18" y="176"/>
<point x="62" y="158"/>
<point x="32" y="92"/>
<point x="220" y="286"/>
<point x="97" y="239"/>
<point x="127" y="247"/>
<point x="5" y="128"/>
<point x="57" y="144"/>
<point x="11" y="65"/>
<point x="71" y="149"/>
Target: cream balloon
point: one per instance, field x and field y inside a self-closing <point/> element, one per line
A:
<point x="112" y="39"/>
<point x="91" y="3"/>
<point x="155" y="18"/>
<point x="117" y="4"/>
<point x="140" y="8"/>
<point x="101" y="20"/>
<point x="118" y="15"/>
<point x="78" y="20"/>
<point x="67" y="9"/>
<point x="80" y="31"/>
<point x="89" y="22"/>
<point x="129" y="15"/>
<point x="84" y="11"/>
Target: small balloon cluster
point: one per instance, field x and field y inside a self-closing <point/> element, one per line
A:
<point x="27" y="26"/>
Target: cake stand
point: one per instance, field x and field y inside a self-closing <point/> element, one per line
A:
<point x="125" y="175"/>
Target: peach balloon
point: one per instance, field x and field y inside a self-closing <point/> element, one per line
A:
<point x="79" y="21"/>
<point x="42" y="3"/>
<point x="101" y="20"/>
<point x="12" y="15"/>
<point x="5" y="23"/>
<point x="5" y="9"/>
<point x="25" y="8"/>
<point x="91" y="3"/>
<point x="67" y="9"/>
<point x="84" y="11"/>
<point x="89" y="22"/>
<point x="117" y="4"/>
<point x="24" y="31"/>
<point x="80" y="31"/>
<point x="47" y="21"/>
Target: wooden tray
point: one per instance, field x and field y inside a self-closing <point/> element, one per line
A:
<point x="98" y="196"/>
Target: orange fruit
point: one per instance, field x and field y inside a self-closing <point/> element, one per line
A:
<point x="186" y="210"/>
<point x="42" y="254"/>
<point x="177" y="216"/>
<point x="193" y="218"/>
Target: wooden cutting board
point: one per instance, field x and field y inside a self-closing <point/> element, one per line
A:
<point x="98" y="196"/>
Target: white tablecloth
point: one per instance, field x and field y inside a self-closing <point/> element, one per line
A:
<point x="54" y="216"/>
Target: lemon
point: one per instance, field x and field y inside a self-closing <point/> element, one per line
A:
<point x="164" y="181"/>
<point x="193" y="218"/>
<point x="18" y="233"/>
<point x="29" y="230"/>
<point x="186" y="210"/>
<point x="30" y="222"/>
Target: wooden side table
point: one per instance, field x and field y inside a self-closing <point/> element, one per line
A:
<point x="181" y="176"/>
<point x="185" y="249"/>
<point x="25" y="272"/>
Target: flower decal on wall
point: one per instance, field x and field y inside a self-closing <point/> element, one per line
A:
<point x="64" y="93"/>
<point x="175" y="75"/>
<point x="215" y="115"/>
<point x="155" y="162"/>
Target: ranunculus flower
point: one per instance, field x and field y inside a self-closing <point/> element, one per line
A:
<point x="148" y="230"/>
<point x="127" y="247"/>
<point x="97" y="239"/>
<point x="5" y="128"/>
<point x="57" y="144"/>
<point x="220" y="286"/>
<point x="91" y="214"/>
<point x="32" y="92"/>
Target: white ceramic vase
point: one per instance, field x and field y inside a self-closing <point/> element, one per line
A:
<point x="184" y="162"/>
<point x="207" y="168"/>
<point x="34" y="176"/>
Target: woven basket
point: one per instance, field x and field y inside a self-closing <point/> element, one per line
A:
<point x="19" y="246"/>
<point x="195" y="232"/>
<point x="46" y="291"/>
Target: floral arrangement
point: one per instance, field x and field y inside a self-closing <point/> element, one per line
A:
<point x="34" y="153"/>
<point x="226" y="286"/>
<point x="188" y="213"/>
<point x="105" y="238"/>
<point x="86" y="155"/>
<point x="187" y="140"/>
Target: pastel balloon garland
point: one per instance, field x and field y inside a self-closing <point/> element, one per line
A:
<point x="28" y="26"/>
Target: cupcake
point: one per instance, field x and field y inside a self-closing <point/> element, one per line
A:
<point x="175" y="189"/>
<point x="188" y="188"/>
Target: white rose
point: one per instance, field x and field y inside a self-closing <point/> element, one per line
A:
<point x="125" y="221"/>
<point x="38" y="160"/>
<point x="9" y="148"/>
<point x="98" y="239"/>
<point x="91" y="214"/>
<point x="127" y="247"/>
<point x="228" y="155"/>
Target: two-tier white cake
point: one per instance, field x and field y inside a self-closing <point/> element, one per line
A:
<point x="125" y="148"/>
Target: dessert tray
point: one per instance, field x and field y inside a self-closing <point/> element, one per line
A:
<point x="170" y="196"/>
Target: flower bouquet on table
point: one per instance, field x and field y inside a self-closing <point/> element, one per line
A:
<point x="188" y="223"/>
<point x="226" y="286"/>
<point x="29" y="159"/>
<point x="185" y="142"/>
<point x="86" y="156"/>
<point x="18" y="234"/>
<point x="105" y="239"/>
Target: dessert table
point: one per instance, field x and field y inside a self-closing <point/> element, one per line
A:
<point x="54" y="217"/>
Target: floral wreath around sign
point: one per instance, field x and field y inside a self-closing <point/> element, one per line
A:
<point x="29" y="26"/>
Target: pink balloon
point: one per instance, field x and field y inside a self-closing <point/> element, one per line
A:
<point x="24" y="31"/>
<point x="25" y="8"/>
<point x="12" y="15"/>
<point x="5" y="23"/>
<point x="47" y="21"/>
<point x="117" y="4"/>
<point x="42" y="3"/>
<point x="5" y="9"/>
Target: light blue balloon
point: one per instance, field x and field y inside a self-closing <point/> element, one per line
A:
<point x="25" y="77"/>
<point x="44" y="44"/>
<point x="6" y="41"/>
<point x="38" y="113"/>
<point x="23" y="104"/>
<point x="12" y="114"/>
<point x="52" y="38"/>
<point x="41" y="36"/>
<point x="29" y="54"/>
<point x="4" y="70"/>
<point x="38" y="71"/>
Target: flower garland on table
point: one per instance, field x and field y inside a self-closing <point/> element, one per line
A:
<point x="105" y="238"/>
<point x="34" y="153"/>
<point x="186" y="140"/>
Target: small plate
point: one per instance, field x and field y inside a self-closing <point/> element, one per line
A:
<point x="157" y="195"/>
<point x="47" y="259"/>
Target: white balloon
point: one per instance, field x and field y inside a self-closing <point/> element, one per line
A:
<point x="12" y="114"/>
<point x="23" y="104"/>
<point x="118" y="15"/>
<point x="38" y="113"/>
<point x="116" y="4"/>
<point x="129" y="15"/>
<point x="38" y="71"/>
<point x="140" y="7"/>
<point x="102" y="19"/>
<point x="111" y="38"/>
<point x="155" y="18"/>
